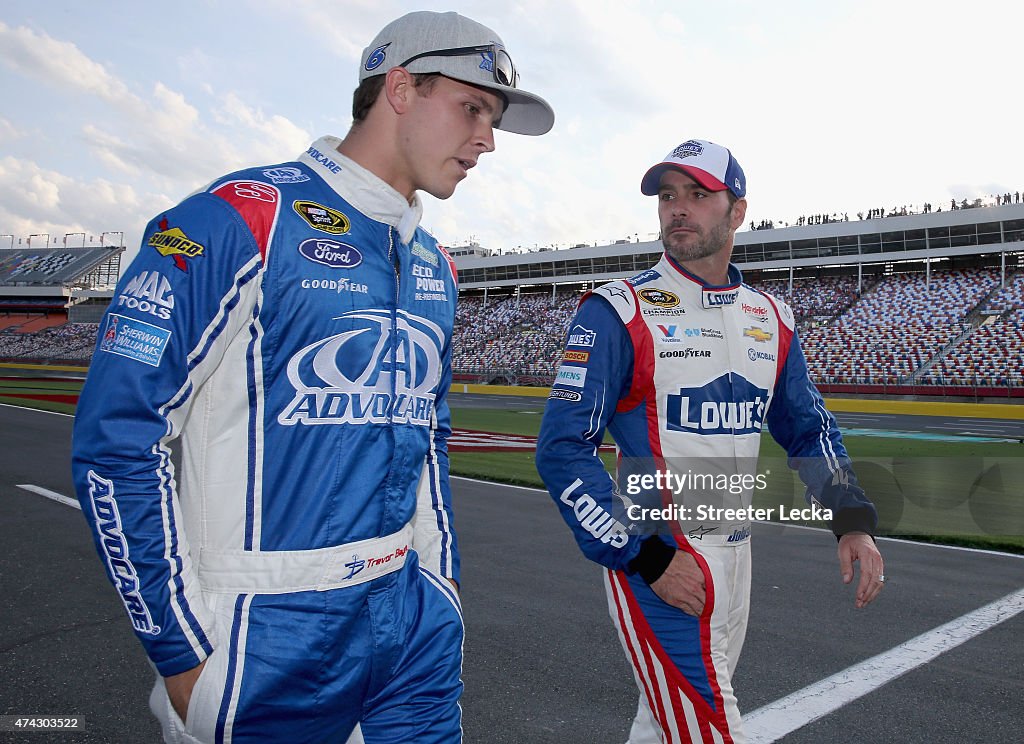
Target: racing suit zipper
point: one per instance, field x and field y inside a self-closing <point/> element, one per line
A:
<point x="725" y="324"/>
<point x="393" y="352"/>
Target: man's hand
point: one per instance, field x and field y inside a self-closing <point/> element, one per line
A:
<point x="682" y="584"/>
<point x="857" y="546"/>
<point x="179" y="689"/>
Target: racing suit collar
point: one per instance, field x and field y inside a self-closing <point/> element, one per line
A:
<point x="365" y="191"/>
<point x="735" y="277"/>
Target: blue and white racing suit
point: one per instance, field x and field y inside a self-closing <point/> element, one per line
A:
<point x="684" y="376"/>
<point x="287" y="330"/>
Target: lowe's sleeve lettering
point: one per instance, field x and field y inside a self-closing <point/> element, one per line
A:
<point x="595" y="373"/>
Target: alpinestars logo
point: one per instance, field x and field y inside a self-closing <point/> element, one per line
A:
<point x="377" y="370"/>
<point x="719" y="407"/>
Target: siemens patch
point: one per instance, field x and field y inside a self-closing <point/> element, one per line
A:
<point x="574" y="376"/>
<point x="115" y="552"/>
<point x="134" y="339"/>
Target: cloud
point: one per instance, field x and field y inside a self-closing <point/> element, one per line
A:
<point x="8" y="132"/>
<point x="38" y="200"/>
<point x="277" y="132"/>
<point x="58" y="63"/>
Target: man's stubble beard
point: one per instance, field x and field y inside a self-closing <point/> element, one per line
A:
<point x="706" y="245"/>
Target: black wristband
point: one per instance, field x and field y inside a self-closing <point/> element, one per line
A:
<point x="652" y="560"/>
<point x="854" y="520"/>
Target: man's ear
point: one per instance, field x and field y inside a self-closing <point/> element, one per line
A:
<point x="398" y="89"/>
<point x="739" y="213"/>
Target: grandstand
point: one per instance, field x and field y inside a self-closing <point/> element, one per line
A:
<point x="923" y="304"/>
<point x="51" y="300"/>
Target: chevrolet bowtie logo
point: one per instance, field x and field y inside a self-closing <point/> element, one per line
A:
<point x="758" y="334"/>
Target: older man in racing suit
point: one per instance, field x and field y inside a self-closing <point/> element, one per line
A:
<point x="291" y="326"/>
<point x="684" y="364"/>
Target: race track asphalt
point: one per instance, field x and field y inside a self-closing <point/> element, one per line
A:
<point x="542" y="663"/>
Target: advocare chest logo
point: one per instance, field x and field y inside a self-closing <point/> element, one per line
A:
<point x="369" y="373"/>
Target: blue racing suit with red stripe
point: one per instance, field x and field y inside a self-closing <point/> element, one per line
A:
<point x="684" y="376"/>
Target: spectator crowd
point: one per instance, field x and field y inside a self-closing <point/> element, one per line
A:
<point x="957" y="327"/>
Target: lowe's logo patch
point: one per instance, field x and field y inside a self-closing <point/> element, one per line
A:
<point x="330" y="253"/>
<point x="719" y="407"/>
<point x="718" y="298"/>
<point x="580" y="336"/>
<point x="689" y="149"/>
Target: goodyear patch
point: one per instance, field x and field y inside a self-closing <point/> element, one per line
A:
<point x="322" y="218"/>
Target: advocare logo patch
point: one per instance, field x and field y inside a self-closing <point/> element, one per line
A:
<point x="377" y="369"/>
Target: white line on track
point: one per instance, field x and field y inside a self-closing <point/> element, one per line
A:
<point x="58" y="497"/>
<point x="773" y="721"/>
<point x="36" y="410"/>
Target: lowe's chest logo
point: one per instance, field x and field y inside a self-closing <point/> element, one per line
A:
<point x="330" y="253"/>
<point x="378" y="369"/>
<point x="719" y="407"/>
<point x="718" y="298"/>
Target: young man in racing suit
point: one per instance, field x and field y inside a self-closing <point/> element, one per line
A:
<point x="683" y="364"/>
<point x="291" y="325"/>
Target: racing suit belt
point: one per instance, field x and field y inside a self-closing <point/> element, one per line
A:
<point x="288" y="571"/>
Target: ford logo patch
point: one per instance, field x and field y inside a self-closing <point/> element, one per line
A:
<point x="330" y="253"/>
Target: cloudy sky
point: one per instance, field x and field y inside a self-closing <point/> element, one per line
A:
<point x="114" y="110"/>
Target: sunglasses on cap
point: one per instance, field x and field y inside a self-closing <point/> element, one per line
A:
<point x="495" y="59"/>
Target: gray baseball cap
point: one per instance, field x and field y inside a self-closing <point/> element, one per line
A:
<point x="459" y="48"/>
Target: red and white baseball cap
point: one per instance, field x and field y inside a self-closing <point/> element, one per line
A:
<point x="710" y="165"/>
